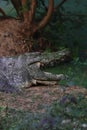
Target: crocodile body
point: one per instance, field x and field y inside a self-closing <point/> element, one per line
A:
<point x="24" y="70"/>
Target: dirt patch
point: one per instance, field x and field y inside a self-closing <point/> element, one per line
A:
<point x="35" y="99"/>
<point x="11" y="40"/>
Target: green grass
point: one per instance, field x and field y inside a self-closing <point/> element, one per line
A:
<point x="77" y="74"/>
<point x="66" y="114"/>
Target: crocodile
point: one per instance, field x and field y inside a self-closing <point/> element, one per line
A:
<point x="25" y="70"/>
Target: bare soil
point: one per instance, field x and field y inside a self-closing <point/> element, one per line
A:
<point x="35" y="99"/>
<point x="11" y="40"/>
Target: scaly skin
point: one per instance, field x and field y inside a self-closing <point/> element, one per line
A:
<point x="24" y="70"/>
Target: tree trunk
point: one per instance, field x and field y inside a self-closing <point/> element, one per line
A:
<point x="30" y="27"/>
<point x="46" y="19"/>
<point x="18" y="6"/>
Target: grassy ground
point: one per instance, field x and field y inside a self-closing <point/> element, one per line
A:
<point x="68" y="113"/>
<point x="77" y="74"/>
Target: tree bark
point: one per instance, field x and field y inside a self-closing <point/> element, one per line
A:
<point x="46" y="19"/>
<point x="17" y="5"/>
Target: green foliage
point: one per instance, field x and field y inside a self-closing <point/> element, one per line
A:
<point x="71" y="107"/>
<point x="75" y="72"/>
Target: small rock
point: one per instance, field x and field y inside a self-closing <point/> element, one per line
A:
<point x="84" y="125"/>
<point x="65" y="121"/>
